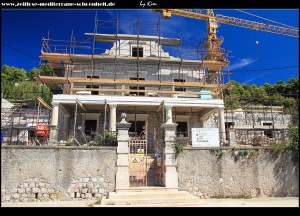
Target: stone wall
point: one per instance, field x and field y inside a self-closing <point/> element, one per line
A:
<point x="56" y="173"/>
<point x="240" y="119"/>
<point x="218" y="173"/>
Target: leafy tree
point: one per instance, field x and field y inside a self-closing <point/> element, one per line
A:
<point x="12" y="74"/>
<point x="47" y="70"/>
<point x="280" y="87"/>
<point x="292" y="86"/>
<point x="15" y="86"/>
<point x="34" y="72"/>
<point x="268" y="87"/>
<point x="9" y="76"/>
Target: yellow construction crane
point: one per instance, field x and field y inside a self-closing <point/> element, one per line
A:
<point x="212" y="44"/>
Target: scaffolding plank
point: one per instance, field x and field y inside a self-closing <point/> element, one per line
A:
<point x="148" y="83"/>
<point x="137" y="90"/>
<point x="57" y="58"/>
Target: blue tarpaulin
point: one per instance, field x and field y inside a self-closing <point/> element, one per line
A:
<point x="2" y="137"/>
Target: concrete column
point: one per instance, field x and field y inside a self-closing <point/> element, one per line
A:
<point x="221" y="124"/>
<point x="170" y="162"/>
<point x="113" y="117"/>
<point x="169" y="114"/>
<point x="122" y="175"/>
<point x="66" y="126"/>
<point x="54" y="124"/>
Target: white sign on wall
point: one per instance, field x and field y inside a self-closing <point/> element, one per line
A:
<point x="205" y="137"/>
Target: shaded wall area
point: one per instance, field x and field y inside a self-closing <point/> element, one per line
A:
<point x="237" y="172"/>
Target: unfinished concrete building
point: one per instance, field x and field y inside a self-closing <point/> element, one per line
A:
<point x="107" y="74"/>
<point x="133" y="76"/>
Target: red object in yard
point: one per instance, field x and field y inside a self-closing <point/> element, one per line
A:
<point x="42" y="130"/>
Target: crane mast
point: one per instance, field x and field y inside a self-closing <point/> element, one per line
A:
<point x="213" y="44"/>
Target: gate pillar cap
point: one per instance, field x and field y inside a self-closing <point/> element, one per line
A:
<point x="123" y="124"/>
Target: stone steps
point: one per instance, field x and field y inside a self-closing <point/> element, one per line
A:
<point x="149" y="196"/>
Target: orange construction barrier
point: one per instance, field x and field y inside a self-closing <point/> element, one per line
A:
<point x="42" y="130"/>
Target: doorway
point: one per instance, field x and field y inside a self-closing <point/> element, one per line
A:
<point x="90" y="128"/>
<point x="137" y="128"/>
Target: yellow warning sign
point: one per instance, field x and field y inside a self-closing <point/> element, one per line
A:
<point x="140" y="152"/>
<point x="134" y="161"/>
<point x="158" y="161"/>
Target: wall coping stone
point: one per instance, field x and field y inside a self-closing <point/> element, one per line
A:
<point x="61" y="147"/>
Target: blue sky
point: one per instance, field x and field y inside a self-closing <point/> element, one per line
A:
<point x="22" y="31"/>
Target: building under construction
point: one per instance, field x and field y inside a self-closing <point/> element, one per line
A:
<point x="110" y="73"/>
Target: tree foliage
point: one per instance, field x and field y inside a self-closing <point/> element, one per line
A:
<point x="16" y="83"/>
<point x="33" y="73"/>
<point x="278" y="94"/>
<point x="12" y="74"/>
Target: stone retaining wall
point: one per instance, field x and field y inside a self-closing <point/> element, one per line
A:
<point x="231" y="172"/>
<point x="56" y="173"/>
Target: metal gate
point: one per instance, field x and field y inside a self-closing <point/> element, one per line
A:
<point x="159" y="179"/>
<point x="138" y="159"/>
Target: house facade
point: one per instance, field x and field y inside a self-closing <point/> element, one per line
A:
<point x="137" y="77"/>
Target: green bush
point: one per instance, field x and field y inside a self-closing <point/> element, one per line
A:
<point x="106" y="139"/>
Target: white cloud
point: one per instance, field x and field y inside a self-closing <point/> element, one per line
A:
<point x="111" y="12"/>
<point x="242" y="63"/>
<point x="254" y="78"/>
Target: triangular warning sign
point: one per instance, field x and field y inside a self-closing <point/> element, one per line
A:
<point x="134" y="160"/>
<point x="141" y="151"/>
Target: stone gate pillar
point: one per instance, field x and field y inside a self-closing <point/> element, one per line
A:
<point x="171" y="175"/>
<point x="122" y="175"/>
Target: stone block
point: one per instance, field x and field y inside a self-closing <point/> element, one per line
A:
<point x="13" y="190"/>
<point x="28" y="190"/>
<point x="88" y="195"/>
<point x="50" y="190"/>
<point x="16" y="196"/>
<point x="101" y="179"/>
<point x="30" y="195"/>
<point x="36" y="190"/>
<point x="46" y="195"/>
<point x="90" y="185"/>
<point x="5" y="197"/>
<point x="94" y="191"/>
<point x="23" y="195"/>
<point x="21" y="190"/>
<point x="98" y="195"/>
<point x="84" y="190"/>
